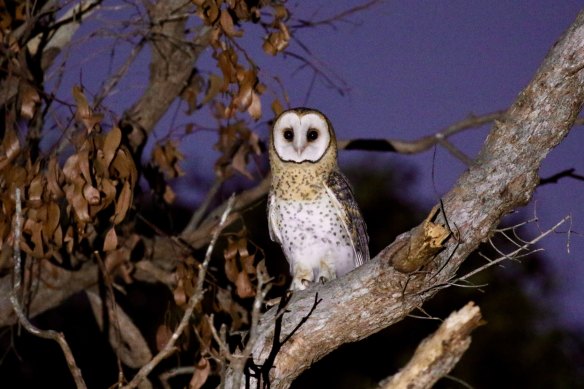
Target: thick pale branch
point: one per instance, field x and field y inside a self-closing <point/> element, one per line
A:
<point x="375" y="295"/>
<point x="173" y="62"/>
<point x="439" y="353"/>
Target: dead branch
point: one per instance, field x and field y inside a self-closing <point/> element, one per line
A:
<point x="16" y="291"/>
<point x="424" y="143"/>
<point x="503" y="177"/>
<point x="438" y="354"/>
<point x="520" y="251"/>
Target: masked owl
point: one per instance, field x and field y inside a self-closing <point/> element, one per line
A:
<point x="312" y="212"/>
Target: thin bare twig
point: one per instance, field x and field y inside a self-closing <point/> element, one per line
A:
<point x="515" y="253"/>
<point x="341" y="16"/>
<point x="193" y="301"/>
<point x="46" y="334"/>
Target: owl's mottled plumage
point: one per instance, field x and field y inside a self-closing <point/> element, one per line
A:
<point x="312" y="212"/>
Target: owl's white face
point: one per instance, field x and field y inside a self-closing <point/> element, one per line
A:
<point x="301" y="136"/>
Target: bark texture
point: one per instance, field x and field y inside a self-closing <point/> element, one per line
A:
<point x="503" y="178"/>
<point x="439" y="352"/>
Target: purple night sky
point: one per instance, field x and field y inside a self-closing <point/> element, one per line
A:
<point x="411" y="69"/>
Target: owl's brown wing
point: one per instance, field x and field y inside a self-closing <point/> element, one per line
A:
<point x="340" y="192"/>
<point x="272" y="222"/>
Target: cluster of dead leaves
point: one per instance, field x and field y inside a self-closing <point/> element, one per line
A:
<point x="64" y="207"/>
<point x="224" y="301"/>
<point x="239" y="82"/>
<point x="12" y="14"/>
<point x="164" y="165"/>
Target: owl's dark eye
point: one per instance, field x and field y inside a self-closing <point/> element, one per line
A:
<point x="312" y="135"/>
<point x="289" y="135"/>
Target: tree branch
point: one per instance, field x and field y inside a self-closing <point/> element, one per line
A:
<point x="439" y="353"/>
<point x="46" y="334"/>
<point x="375" y="295"/>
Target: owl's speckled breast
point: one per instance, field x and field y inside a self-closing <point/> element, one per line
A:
<point x="312" y="231"/>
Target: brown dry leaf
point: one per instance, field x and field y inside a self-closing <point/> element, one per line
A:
<point x="277" y="107"/>
<point x="84" y="165"/>
<point x="244" y="287"/>
<point x="179" y="295"/>
<point x="209" y="11"/>
<point x="167" y="157"/>
<point x="277" y="41"/>
<point x="109" y="192"/>
<point x="91" y="194"/>
<point x="280" y="12"/>
<point x="35" y="190"/>
<point x="123" y="203"/>
<point x="111" y="240"/>
<point x="10" y="147"/>
<point x="230" y="255"/>
<point x="246" y="79"/>
<point x="34" y="229"/>
<point x="215" y="86"/>
<point x="30" y="99"/>
<point x="168" y="196"/>
<point x="124" y="165"/>
<point x="5" y="17"/>
<point x="205" y="335"/>
<point x="78" y="202"/>
<point x="239" y="161"/>
<point x="21" y="11"/>
<point x="54" y="179"/>
<point x="69" y="239"/>
<point x="202" y="370"/>
<point x="52" y="221"/>
<point x="71" y="168"/>
<point x="227" y="25"/>
<point x="163" y="335"/>
<point x="111" y="145"/>
<point x="255" y="108"/>
<point x="227" y="62"/>
<point x="84" y="114"/>
<point x="247" y="264"/>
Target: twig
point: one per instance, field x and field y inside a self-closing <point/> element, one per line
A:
<point x="46" y="334"/>
<point x="335" y="18"/>
<point x="556" y="177"/>
<point x="421" y="144"/>
<point x="438" y="353"/>
<point x="200" y="212"/>
<point x="514" y="253"/>
<point x="164" y="377"/>
<point x="193" y="301"/>
<point x="108" y="85"/>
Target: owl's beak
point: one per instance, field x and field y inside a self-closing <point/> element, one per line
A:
<point x="299" y="147"/>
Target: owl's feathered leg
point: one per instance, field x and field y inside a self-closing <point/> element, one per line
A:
<point x="302" y="276"/>
<point x="327" y="270"/>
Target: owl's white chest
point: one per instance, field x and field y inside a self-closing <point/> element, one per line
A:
<point x="311" y="234"/>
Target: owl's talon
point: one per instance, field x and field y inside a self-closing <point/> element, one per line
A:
<point x="323" y="280"/>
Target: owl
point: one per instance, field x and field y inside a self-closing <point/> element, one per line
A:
<point x="312" y="212"/>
